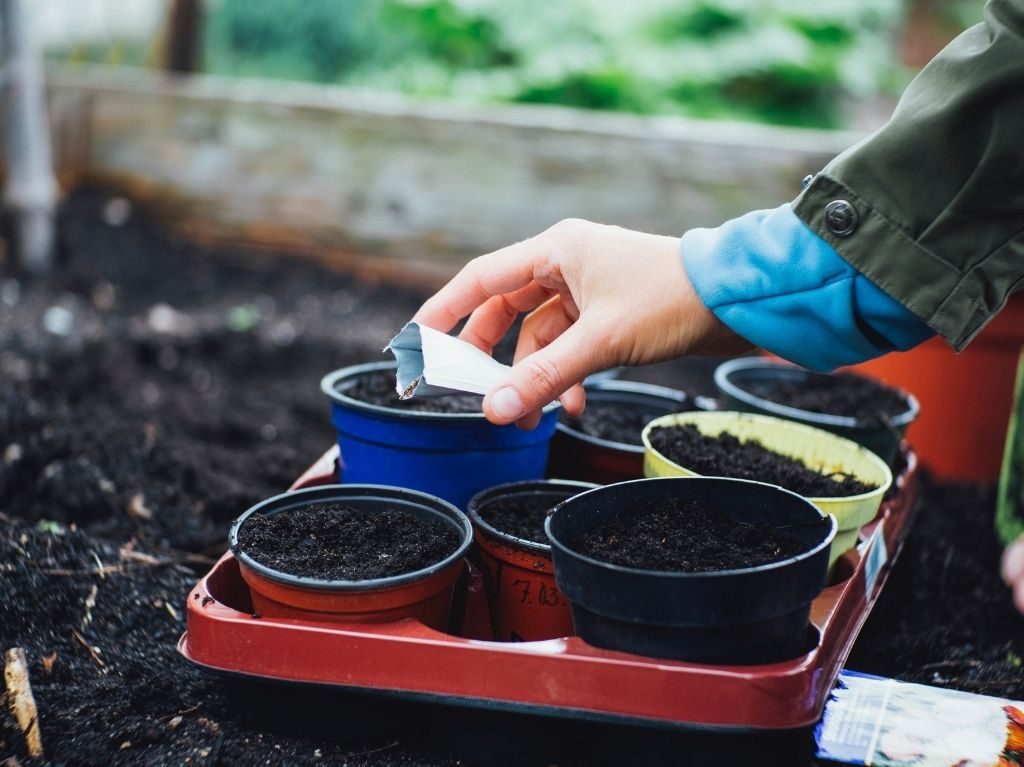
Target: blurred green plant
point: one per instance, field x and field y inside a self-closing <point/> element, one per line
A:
<point x="786" y="61"/>
<point x="797" y="62"/>
<point x="1010" y="497"/>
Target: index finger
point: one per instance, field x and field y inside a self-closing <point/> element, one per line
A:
<point x="496" y="273"/>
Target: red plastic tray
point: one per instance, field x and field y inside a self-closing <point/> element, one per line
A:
<point x="564" y="677"/>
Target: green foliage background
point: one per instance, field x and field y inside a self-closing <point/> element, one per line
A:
<point x="1010" y="500"/>
<point x="785" y="61"/>
<point x="796" y="62"/>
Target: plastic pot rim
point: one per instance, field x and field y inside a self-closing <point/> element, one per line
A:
<point x="328" y="385"/>
<point x="728" y="387"/>
<point x="340" y="492"/>
<point x="625" y="387"/>
<point x="509" y="488"/>
<point x="816" y="549"/>
<point x="756" y="417"/>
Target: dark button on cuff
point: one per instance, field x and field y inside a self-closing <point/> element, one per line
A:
<point x="841" y="218"/>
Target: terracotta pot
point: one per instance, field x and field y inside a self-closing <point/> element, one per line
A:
<point x="424" y="594"/>
<point x="522" y="595"/>
<point x="579" y="456"/>
<point x="965" y="399"/>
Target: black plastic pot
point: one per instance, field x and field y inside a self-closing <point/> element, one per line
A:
<point x="736" y="378"/>
<point x="746" y="616"/>
<point x="521" y="592"/>
<point x="579" y="456"/>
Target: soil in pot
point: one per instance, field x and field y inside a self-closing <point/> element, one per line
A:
<point x="522" y="516"/>
<point x="613" y="421"/>
<point x="378" y="388"/>
<point x="725" y="455"/>
<point x="337" y="542"/>
<point x="843" y="394"/>
<point x="677" y="535"/>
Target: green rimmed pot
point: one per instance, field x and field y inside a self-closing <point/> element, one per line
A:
<point x="817" y="449"/>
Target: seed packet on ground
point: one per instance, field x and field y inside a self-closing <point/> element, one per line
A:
<point x="880" y="722"/>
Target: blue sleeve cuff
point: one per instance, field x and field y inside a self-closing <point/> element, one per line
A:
<point x="779" y="285"/>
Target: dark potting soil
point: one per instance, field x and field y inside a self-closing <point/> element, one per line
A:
<point x="335" y="542"/>
<point x="522" y="516"/>
<point x="378" y="388"/>
<point x="842" y="394"/>
<point x="680" y="536"/>
<point x="617" y="422"/>
<point x="726" y="456"/>
<point x="133" y="435"/>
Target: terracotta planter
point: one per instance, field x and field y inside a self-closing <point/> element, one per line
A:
<point x="522" y="594"/>
<point x="965" y="398"/>
<point x="579" y="456"/>
<point x="424" y="594"/>
<point x="757" y="614"/>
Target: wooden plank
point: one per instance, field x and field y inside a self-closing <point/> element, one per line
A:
<point x="417" y="182"/>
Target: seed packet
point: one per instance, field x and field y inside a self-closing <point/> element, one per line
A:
<point x="433" y="363"/>
<point x="881" y="722"/>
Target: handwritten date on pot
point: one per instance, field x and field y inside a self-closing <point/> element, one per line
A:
<point x="537" y="593"/>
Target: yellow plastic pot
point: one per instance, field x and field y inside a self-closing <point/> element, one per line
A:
<point x="819" y="450"/>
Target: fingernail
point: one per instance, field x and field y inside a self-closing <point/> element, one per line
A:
<point x="506" y="403"/>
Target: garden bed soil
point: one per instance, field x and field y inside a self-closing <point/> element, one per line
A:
<point x="615" y="422"/>
<point x="725" y="455"/>
<point x="842" y="394"/>
<point x="378" y="388"/>
<point x="183" y="390"/>
<point x="521" y="516"/>
<point x="335" y="542"/>
<point x="679" y="536"/>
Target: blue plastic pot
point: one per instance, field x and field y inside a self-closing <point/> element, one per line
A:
<point x="450" y="455"/>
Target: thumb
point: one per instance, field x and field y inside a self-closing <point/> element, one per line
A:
<point x="541" y="377"/>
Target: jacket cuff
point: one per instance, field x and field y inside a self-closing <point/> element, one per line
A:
<point x="882" y="251"/>
<point x="776" y="283"/>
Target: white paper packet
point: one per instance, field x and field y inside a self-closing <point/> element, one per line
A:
<point x="431" y="363"/>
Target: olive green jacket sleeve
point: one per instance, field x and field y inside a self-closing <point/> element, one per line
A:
<point x="931" y="206"/>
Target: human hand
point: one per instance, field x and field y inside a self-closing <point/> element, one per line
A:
<point x="1013" y="571"/>
<point x="598" y="296"/>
